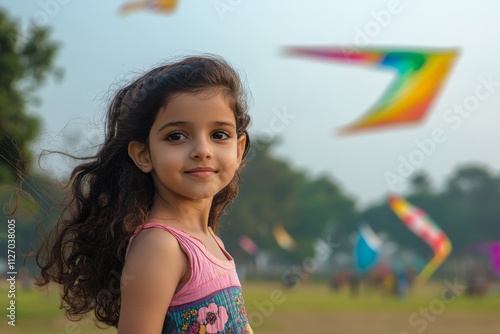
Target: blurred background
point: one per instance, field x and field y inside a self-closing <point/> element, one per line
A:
<point x="317" y="245"/>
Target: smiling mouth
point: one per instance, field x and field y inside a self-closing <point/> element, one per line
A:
<point x="201" y="173"/>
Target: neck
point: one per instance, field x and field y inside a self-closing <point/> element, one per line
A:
<point x="189" y="215"/>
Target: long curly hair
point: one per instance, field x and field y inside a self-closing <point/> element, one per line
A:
<point x="110" y="197"/>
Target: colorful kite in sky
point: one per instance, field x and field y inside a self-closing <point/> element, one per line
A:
<point x="283" y="238"/>
<point x="161" y="6"/>
<point x="420" y="75"/>
<point x="367" y="248"/>
<point x="421" y="224"/>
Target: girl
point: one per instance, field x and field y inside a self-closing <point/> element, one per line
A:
<point x="136" y="242"/>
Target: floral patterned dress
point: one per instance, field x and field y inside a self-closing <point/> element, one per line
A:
<point x="211" y="301"/>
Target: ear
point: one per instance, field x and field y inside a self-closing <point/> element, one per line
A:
<point x="241" y="147"/>
<point x="139" y="153"/>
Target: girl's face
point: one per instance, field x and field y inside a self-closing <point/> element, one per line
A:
<point x="194" y="150"/>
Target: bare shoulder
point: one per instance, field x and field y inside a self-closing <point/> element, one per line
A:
<point x="153" y="240"/>
<point x="155" y="255"/>
<point x="156" y="251"/>
<point x="154" y="266"/>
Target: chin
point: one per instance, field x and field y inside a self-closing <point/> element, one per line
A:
<point x="201" y="196"/>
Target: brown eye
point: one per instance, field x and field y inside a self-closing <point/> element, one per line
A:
<point x="220" y="135"/>
<point x="175" y="136"/>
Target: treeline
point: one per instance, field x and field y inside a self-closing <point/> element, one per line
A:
<point x="309" y="207"/>
<point x="467" y="208"/>
<point x="272" y="192"/>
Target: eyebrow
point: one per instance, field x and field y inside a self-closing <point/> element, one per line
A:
<point x="184" y="123"/>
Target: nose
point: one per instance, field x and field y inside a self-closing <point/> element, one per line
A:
<point x="201" y="149"/>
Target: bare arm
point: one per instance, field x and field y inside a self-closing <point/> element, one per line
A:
<point x="155" y="264"/>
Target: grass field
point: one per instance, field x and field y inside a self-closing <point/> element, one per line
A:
<point x="310" y="308"/>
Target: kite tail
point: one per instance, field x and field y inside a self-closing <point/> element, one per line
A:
<point x="429" y="269"/>
<point x="434" y="263"/>
<point x="131" y="7"/>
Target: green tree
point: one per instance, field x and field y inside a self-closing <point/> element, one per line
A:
<point x="421" y="183"/>
<point x="26" y="60"/>
<point x="322" y="206"/>
<point x="268" y="193"/>
<point x="272" y="192"/>
<point x="471" y="201"/>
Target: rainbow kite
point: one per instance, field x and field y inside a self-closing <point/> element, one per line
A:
<point x="420" y="74"/>
<point x="161" y="6"/>
<point x="283" y="238"/>
<point x="422" y="225"/>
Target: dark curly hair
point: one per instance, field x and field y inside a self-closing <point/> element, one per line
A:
<point x="110" y="197"/>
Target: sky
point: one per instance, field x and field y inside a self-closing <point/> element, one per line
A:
<point x="302" y="101"/>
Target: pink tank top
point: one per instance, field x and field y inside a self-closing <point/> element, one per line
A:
<point x="211" y="300"/>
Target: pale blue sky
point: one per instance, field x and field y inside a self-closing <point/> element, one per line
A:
<point x="99" y="48"/>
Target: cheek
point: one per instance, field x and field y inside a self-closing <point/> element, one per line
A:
<point x="167" y="157"/>
<point x="230" y="156"/>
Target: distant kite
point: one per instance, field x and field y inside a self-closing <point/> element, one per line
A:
<point x="367" y="248"/>
<point x="492" y="249"/>
<point x="161" y="6"/>
<point x="248" y="245"/>
<point x="283" y="238"/>
<point x="420" y="75"/>
<point x="421" y="224"/>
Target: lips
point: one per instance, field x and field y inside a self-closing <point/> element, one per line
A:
<point x="201" y="172"/>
